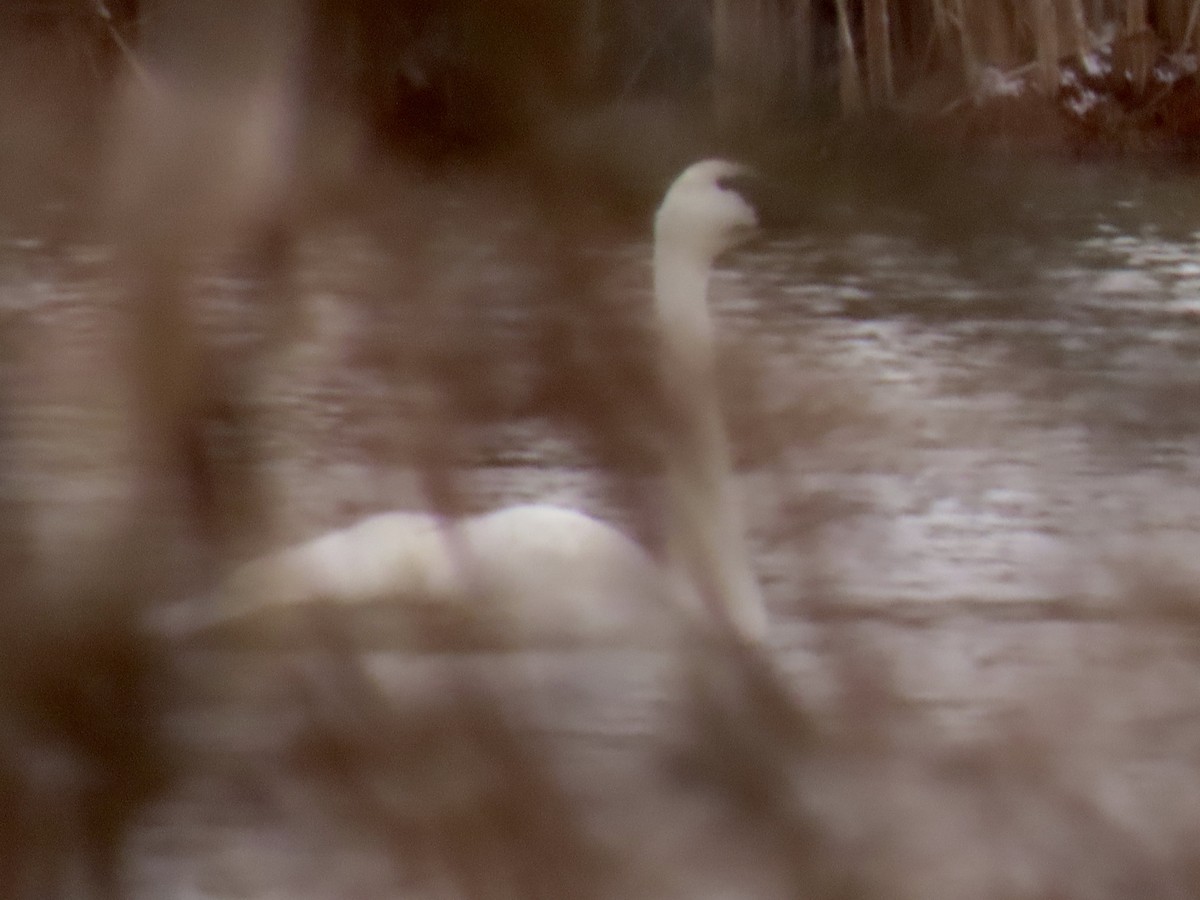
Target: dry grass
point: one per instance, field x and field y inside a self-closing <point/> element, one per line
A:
<point x="772" y="59"/>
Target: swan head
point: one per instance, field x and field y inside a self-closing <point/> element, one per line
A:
<point x="704" y="212"/>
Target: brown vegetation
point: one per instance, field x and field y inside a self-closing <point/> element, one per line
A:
<point x="1013" y="70"/>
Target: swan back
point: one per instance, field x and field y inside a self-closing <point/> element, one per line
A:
<point x="529" y="574"/>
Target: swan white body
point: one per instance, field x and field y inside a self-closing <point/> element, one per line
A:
<point x="544" y="572"/>
<point x="531" y="573"/>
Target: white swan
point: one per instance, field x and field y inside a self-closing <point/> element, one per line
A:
<point x="547" y="573"/>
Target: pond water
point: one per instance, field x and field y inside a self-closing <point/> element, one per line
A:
<point x="1036" y="415"/>
<point x="1001" y="416"/>
<point x="994" y="415"/>
<point x="976" y="452"/>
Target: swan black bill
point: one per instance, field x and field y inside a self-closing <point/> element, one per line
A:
<point x="769" y="199"/>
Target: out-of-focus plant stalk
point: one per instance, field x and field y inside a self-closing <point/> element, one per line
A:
<point x="879" y="53"/>
<point x="803" y="23"/>
<point x="1140" y="40"/>
<point x="1046" y="29"/>
<point x="849" y="83"/>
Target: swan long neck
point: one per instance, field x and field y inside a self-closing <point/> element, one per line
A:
<point x="681" y="298"/>
<point x="706" y="544"/>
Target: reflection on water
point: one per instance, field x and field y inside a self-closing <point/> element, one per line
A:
<point x="1036" y="422"/>
<point x="994" y="417"/>
<point x="966" y="447"/>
